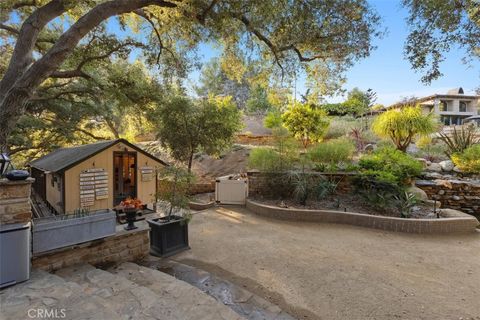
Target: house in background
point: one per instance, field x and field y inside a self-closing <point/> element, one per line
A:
<point x="95" y="176"/>
<point x="452" y="107"/>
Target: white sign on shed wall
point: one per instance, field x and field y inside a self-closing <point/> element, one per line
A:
<point x="231" y="191"/>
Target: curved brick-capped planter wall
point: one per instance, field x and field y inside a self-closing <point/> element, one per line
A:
<point x="462" y="224"/>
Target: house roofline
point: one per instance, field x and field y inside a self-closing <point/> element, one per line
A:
<point x="434" y="96"/>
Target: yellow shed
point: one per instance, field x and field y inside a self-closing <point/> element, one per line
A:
<point x="95" y="176"/>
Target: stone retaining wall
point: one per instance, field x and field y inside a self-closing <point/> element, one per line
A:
<point x="455" y="194"/>
<point x="258" y="185"/>
<point x="194" y="188"/>
<point x="123" y="246"/>
<point x="461" y="224"/>
<point x="15" y="201"/>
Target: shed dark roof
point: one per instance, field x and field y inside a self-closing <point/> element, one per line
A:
<point x="65" y="158"/>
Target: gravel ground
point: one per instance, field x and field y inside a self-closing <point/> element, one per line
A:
<point x="328" y="271"/>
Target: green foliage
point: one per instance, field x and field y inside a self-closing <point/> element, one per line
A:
<point x="258" y="102"/>
<point x="305" y="187"/>
<point x="215" y="81"/>
<point x="341" y="126"/>
<point x="431" y="150"/>
<point x="377" y="191"/>
<point x="460" y="139"/>
<point x="403" y="125"/>
<point x="435" y="28"/>
<point x="185" y="126"/>
<point x="273" y="119"/>
<point x="390" y="165"/>
<point x="332" y="153"/>
<point x="113" y="102"/>
<point x="175" y="192"/>
<point x="305" y="122"/>
<point x="324" y="188"/>
<point x="405" y="202"/>
<point x="264" y="159"/>
<point x="358" y="102"/>
<point x="468" y="160"/>
<point x="301" y="187"/>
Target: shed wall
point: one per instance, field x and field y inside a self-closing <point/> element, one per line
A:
<point x="53" y="192"/>
<point x="104" y="160"/>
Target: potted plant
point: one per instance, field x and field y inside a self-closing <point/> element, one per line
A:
<point x="70" y="229"/>
<point x="169" y="234"/>
<point x="131" y="207"/>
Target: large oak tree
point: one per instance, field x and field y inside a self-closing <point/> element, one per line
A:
<point x="322" y="37"/>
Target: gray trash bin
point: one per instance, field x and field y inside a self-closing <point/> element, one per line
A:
<point x="14" y="253"/>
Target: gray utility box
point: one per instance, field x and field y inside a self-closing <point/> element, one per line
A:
<point x="14" y="253"/>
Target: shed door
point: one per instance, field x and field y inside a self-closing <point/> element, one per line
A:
<point x="124" y="176"/>
<point x="231" y="191"/>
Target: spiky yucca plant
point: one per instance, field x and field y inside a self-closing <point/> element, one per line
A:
<point x="459" y="140"/>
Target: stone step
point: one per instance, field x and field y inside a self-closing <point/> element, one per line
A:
<point x="126" y="298"/>
<point x="242" y="301"/>
<point x="45" y="292"/>
<point x="189" y="301"/>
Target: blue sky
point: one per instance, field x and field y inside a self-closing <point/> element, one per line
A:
<point x="387" y="72"/>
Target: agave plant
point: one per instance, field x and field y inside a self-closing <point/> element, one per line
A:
<point x="460" y="139"/>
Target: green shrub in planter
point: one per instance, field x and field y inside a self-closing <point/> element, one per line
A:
<point x="468" y="160"/>
<point x="392" y="164"/>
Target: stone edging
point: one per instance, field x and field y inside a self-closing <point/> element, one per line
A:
<point x="462" y="224"/>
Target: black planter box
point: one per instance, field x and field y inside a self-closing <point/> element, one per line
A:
<point x="168" y="237"/>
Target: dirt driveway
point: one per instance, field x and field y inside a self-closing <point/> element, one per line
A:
<point x="327" y="271"/>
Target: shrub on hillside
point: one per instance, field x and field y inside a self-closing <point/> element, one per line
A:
<point x="269" y="160"/>
<point x="468" y="160"/>
<point x="341" y="126"/>
<point x="332" y="153"/>
<point x="390" y="164"/>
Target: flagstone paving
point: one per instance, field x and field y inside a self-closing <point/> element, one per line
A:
<point x="85" y="292"/>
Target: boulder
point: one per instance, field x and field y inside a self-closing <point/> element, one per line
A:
<point x="433" y="204"/>
<point x="447" y="165"/>
<point x="451" y="213"/>
<point x="419" y="193"/>
<point x="436" y="167"/>
<point x="423" y="161"/>
<point x="457" y="169"/>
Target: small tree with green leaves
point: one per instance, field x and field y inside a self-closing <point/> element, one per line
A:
<point x="175" y="189"/>
<point x="403" y="125"/>
<point x="186" y="127"/>
<point x="306" y="123"/>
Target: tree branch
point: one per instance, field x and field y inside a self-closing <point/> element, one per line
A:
<point x="203" y="15"/>
<point x="90" y="134"/>
<point x="262" y="38"/>
<point x="144" y="15"/>
<point x="27" y="37"/>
